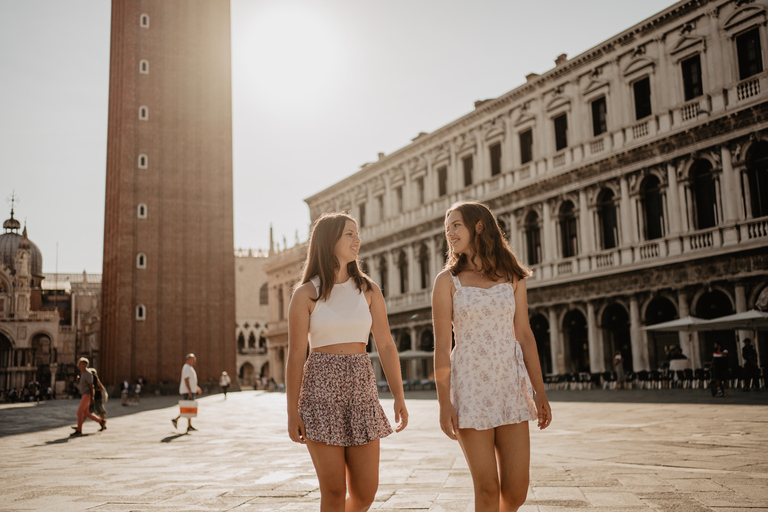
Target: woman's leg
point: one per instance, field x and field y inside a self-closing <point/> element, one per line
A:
<point x="362" y="476"/>
<point x="330" y="466"/>
<point x="513" y="449"/>
<point x="479" y="450"/>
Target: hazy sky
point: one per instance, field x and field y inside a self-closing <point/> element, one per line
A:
<point x="319" y="88"/>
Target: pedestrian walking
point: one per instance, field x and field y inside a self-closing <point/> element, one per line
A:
<point x="618" y="367"/>
<point x="137" y="392"/>
<point x="751" y="370"/>
<point x="124" y="390"/>
<point x="85" y="386"/>
<point x="188" y="388"/>
<point x="490" y="385"/>
<point x="333" y="404"/>
<point x="224" y="382"/>
<point x="719" y="369"/>
<point x="99" y="393"/>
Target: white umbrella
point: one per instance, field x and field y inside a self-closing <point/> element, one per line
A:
<point x="686" y="324"/>
<point x="747" y="320"/>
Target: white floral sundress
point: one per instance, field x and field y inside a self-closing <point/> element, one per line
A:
<point x="490" y="386"/>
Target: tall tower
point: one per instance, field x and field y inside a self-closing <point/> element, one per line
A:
<point x="168" y="280"/>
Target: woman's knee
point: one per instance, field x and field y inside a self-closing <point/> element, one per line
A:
<point x="514" y="496"/>
<point x="487" y="490"/>
<point x="333" y="494"/>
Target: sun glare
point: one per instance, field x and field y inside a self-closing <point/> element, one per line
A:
<point x="293" y="52"/>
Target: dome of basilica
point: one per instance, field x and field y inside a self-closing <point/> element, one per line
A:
<point x="9" y="243"/>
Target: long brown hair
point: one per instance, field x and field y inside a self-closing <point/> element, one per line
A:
<point x="321" y="261"/>
<point x="496" y="258"/>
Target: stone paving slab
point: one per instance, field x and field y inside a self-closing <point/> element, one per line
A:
<point x="598" y="455"/>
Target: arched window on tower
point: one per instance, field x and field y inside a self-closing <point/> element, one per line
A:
<point x="143" y="161"/>
<point x="141" y="312"/>
<point x="756" y="187"/>
<point x="143" y="113"/>
<point x="144" y="21"/>
<point x="653" y="211"/>
<point x="141" y="260"/>
<point x="141" y="211"/>
<point x="424" y="266"/>
<point x="264" y="295"/>
<point x="241" y="342"/>
<point x="402" y="267"/>
<point x="383" y="275"/>
<point x="144" y="66"/>
<point x="533" y="238"/>
<point x="252" y="340"/>
<point x="569" y="238"/>
<point x="607" y="218"/>
<point x="280" y="304"/>
<point x="703" y="194"/>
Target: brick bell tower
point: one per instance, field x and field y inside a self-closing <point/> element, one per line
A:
<point x="168" y="279"/>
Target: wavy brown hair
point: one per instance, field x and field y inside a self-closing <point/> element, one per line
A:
<point x="321" y="261"/>
<point x="491" y="248"/>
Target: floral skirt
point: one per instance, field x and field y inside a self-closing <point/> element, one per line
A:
<point x="339" y="402"/>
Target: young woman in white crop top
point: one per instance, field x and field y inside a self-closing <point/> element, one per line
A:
<point x="333" y="403"/>
<point x="486" y="383"/>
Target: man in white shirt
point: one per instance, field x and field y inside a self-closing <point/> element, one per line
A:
<point x="188" y="388"/>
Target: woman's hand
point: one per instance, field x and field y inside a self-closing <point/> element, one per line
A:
<point x="296" y="428"/>
<point x="401" y="415"/>
<point x="449" y="421"/>
<point x="545" y="412"/>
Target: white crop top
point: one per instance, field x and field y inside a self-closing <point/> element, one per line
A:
<point x="343" y="318"/>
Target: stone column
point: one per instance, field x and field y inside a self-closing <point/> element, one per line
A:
<point x="454" y="173"/>
<point x="741" y="307"/>
<point x="556" y="342"/>
<point x="627" y="229"/>
<point x="730" y="198"/>
<point x="587" y="238"/>
<point x="637" y="336"/>
<point x="596" y="363"/>
<point x="686" y="338"/>
<point x="548" y="229"/>
<point x="432" y="261"/>
<point x="413" y="269"/>
<point x="414" y="363"/>
<point x="393" y="274"/>
<point x="509" y="157"/>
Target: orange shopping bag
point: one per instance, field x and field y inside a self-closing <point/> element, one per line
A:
<point x="188" y="408"/>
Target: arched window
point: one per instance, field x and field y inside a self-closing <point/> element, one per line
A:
<point x="263" y="295"/>
<point x="402" y="266"/>
<point x="141" y="211"/>
<point x="141" y="260"/>
<point x="280" y="304"/>
<point x="241" y="341"/>
<point x="569" y="240"/>
<point x="252" y="340"/>
<point x="756" y="190"/>
<point x="144" y="21"/>
<point x="143" y="161"/>
<point x="424" y="266"/>
<point x="144" y="66"/>
<point x="653" y="211"/>
<point x="533" y="238"/>
<point x="606" y="215"/>
<point x="143" y="113"/>
<point x="703" y="194"/>
<point x="383" y="275"/>
<point x="141" y="312"/>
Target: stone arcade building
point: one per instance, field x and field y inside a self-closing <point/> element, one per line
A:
<point x="632" y="178"/>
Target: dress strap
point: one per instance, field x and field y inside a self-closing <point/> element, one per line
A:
<point x="316" y="281"/>
<point x="456" y="281"/>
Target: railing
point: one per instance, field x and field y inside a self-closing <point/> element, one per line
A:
<point x="604" y="260"/>
<point x="640" y="130"/>
<point x="649" y="251"/>
<point x="691" y="110"/>
<point x="525" y="172"/>
<point x="701" y="240"/>
<point x="757" y="228"/>
<point x="565" y="268"/>
<point x="43" y="315"/>
<point x="408" y="299"/>
<point x="597" y="146"/>
<point x="748" y="88"/>
<point x="558" y="160"/>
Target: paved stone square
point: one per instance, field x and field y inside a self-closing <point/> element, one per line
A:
<point x="697" y="455"/>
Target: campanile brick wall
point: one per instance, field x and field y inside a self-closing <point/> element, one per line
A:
<point x="188" y="284"/>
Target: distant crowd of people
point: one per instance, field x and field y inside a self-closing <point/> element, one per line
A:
<point x="30" y="392"/>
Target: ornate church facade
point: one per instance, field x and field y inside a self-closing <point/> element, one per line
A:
<point x="632" y="179"/>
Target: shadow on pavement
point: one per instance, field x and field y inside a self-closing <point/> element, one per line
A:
<point x="173" y="437"/>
